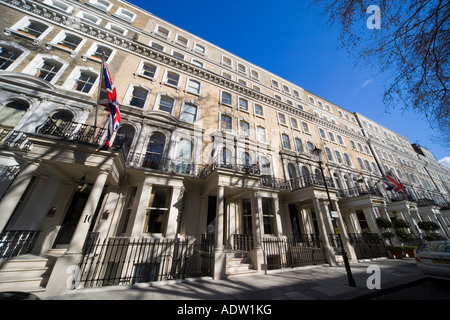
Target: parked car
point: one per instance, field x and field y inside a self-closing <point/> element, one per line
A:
<point x="433" y="259"/>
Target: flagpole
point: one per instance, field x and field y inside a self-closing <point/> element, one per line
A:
<point x="99" y="95"/>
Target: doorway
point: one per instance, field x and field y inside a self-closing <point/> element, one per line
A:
<point x="294" y="221"/>
<point x="71" y="219"/>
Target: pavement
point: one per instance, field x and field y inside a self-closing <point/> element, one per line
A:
<point x="322" y="282"/>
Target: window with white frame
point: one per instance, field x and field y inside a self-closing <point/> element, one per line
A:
<point x="138" y="96"/>
<point x="147" y="69"/>
<point x="197" y="63"/>
<point x="103" y="5"/>
<point x="241" y="68"/>
<point x="338" y="156"/>
<point x="296" y="94"/>
<point x="329" y="154"/>
<point x="276" y="96"/>
<point x="298" y="145"/>
<point x="244" y="128"/>
<point x="294" y="123"/>
<point x="226" y="98"/>
<point x="172" y="78"/>
<point x="305" y="127"/>
<point x="82" y="80"/>
<point x="282" y="119"/>
<point x="193" y="86"/>
<point x="311" y="100"/>
<point x="98" y="51"/>
<point x="331" y="136"/>
<point x="189" y="112"/>
<point x="61" y="5"/>
<point x="88" y="17"/>
<point x="286" y="142"/>
<point x="11" y="55"/>
<point x="310" y="147"/>
<point x="166" y="103"/>
<point x="226" y="75"/>
<point x="125" y="15"/>
<point x="178" y="55"/>
<point x="31" y="28"/>
<point x="227" y="61"/>
<point x="254" y="74"/>
<point x="322" y="133"/>
<point x="68" y="41"/>
<point x="340" y="140"/>
<point x="182" y="41"/>
<point x="275" y="84"/>
<point x="260" y="133"/>
<point x="115" y="28"/>
<point x="226" y="122"/>
<point x="156" y="46"/>
<point x="256" y="88"/>
<point x="243" y="104"/>
<point x="162" y="32"/>
<point x="259" y="111"/>
<point x="347" y="159"/>
<point x="199" y="48"/>
<point x="286" y="89"/>
<point x="48" y="68"/>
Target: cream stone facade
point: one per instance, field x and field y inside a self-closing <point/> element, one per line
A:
<point x="211" y="148"/>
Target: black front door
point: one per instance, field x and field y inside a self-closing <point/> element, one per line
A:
<point x="294" y="221"/>
<point x="71" y="219"/>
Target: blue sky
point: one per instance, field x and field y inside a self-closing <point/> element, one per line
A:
<point x="290" y="40"/>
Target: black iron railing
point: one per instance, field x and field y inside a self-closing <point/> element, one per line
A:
<point x="357" y="192"/>
<point x="310" y="180"/>
<point x="116" y="261"/>
<point x="367" y="245"/>
<point x="14" y="139"/>
<point x="73" y="131"/>
<point x="280" y="253"/>
<point x="17" y="242"/>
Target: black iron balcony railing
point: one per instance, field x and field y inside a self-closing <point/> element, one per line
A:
<point x="310" y="180"/>
<point x="357" y="192"/>
<point x="72" y="131"/>
<point x="10" y="138"/>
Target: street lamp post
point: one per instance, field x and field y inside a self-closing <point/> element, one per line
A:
<point x="351" y="280"/>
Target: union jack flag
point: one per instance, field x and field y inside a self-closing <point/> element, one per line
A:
<point x="108" y="98"/>
<point x="393" y="183"/>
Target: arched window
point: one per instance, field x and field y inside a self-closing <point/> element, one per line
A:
<point x="246" y="159"/>
<point x="291" y="171"/>
<point x="264" y="166"/>
<point x="155" y="149"/>
<point x="183" y="157"/>
<point x="12" y="113"/>
<point x="225" y="158"/>
<point x="124" y="138"/>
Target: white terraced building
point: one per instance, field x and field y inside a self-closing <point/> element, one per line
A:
<point x="212" y="168"/>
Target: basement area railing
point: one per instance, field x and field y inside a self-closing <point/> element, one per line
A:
<point x="17" y="242"/>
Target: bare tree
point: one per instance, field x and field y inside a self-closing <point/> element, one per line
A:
<point x="412" y="45"/>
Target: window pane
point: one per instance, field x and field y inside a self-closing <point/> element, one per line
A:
<point x="48" y="70"/>
<point x="70" y="41"/>
<point x="172" y="78"/>
<point x="34" y="29"/>
<point x="139" y="97"/>
<point x="12" y="113"/>
<point x="189" y="113"/>
<point x="155" y="149"/>
<point x="8" y="56"/>
<point x="166" y="104"/>
<point x="149" y="70"/>
<point x="85" y="82"/>
<point x="225" y="122"/>
<point x="226" y="98"/>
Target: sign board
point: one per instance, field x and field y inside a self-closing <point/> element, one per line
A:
<point x="334" y="214"/>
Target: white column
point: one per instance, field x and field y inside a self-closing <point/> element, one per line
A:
<point x="344" y="235"/>
<point x="174" y="213"/>
<point x="137" y="218"/>
<point x="15" y="191"/>
<point x="79" y="237"/>
<point x="219" y="254"/>
<point x="329" y="251"/>
<point x="277" y="214"/>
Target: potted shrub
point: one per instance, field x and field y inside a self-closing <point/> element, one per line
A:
<point x="410" y="251"/>
<point x="397" y="252"/>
